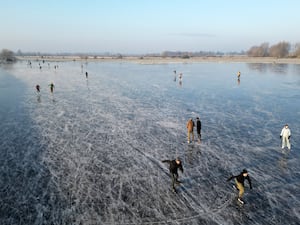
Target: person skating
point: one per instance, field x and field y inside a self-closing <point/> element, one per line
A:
<point x="285" y="136"/>
<point x="51" y="87"/>
<point x="38" y="89"/>
<point x="239" y="183"/>
<point x="198" y="124"/>
<point x="86" y="75"/>
<point x="180" y="77"/>
<point x="174" y="165"/>
<point x="190" y="128"/>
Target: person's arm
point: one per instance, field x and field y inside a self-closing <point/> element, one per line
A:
<point x="166" y="161"/>
<point x="249" y="181"/>
<point x="230" y="178"/>
<point x="281" y="133"/>
<point x="181" y="168"/>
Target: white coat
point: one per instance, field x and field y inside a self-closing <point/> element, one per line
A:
<point x="285" y="134"/>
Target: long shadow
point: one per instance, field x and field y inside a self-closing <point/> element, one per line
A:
<point x="27" y="192"/>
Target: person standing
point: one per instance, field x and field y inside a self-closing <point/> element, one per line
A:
<point x="174" y="165"/>
<point x="285" y="136"/>
<point x="198" y="124"/>
<point x="190" y="128"/>
<point x="239" y="183"/>
<point x="51" y="87"/>
<point x="86" y="75"/>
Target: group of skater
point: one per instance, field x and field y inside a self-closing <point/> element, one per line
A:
<point x="190" y="130"/>
<point x="239" y="179"/>
<point x="51" y="85"/>
<point x="180" y="75"/>
<point x="38" y="88"/>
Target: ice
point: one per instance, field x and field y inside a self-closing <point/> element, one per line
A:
<point x="91" y="152"/>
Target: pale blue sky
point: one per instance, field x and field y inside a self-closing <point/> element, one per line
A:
<point x="146" y="26"/>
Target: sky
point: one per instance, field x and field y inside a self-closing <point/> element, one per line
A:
<point x="146" y="26"/>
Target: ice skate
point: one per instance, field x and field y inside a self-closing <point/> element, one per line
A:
<point x="240" y="201"/>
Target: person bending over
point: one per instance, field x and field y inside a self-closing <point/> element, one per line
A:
<point x="239" y="183"/>
<point x="174" y="165"/>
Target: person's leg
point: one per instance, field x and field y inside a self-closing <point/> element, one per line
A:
<point x="241" y="188"/>
<point x="189" y="137"/>
<point x="174" y="178"/>
<point x="193" y="135"/>
<point x="288" y="144"/>
<point x="283" y="142"/>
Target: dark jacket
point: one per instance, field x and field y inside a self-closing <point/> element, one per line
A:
<point x="174" y="166"/>
<point x="241" y="179"/>
<point x="198" y="126"/>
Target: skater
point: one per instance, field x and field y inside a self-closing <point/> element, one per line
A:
<point x="190" y="127"/>
<point x="37" y="87"/>
<point x="51" y="87"/>
<point x="239" y="183"/>
<point x="285" y="136"/>
<point x="198" y="124"/>
<point x="86" y="75"/>
<point x="174" y="165"/>
<point x="174" y="75"/>
<point x="180" y="76"/>
<point x="239" y="75"/>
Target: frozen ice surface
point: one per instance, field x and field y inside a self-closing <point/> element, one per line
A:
<point x="91" y="152"/>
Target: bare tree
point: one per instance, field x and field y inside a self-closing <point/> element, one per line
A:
<point x="280" y="50"/>
<point x="259" y="51"/>
<point x="297" y="50"/>
<point x="7" y="56"/>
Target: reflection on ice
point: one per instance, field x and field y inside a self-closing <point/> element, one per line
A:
<point x="91" y="152"/>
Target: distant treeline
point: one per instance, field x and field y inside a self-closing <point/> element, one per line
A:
<point x="189" y="54"/>
<point x="279" y="50"/>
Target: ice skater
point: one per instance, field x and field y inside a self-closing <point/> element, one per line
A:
<point x="190" y="129"/>
<point x="285" y="136"/>
<point x="174" y="165"/>
<point x="38" y="88"/>
<point x="51" y="87"/>
<point x="239" y="75"/>
<point x="239" y="183"/>
<point x="180" y="77"/>
<point x="198" y="124"/>
<point x="175" y="75"/>
<point x="86" y="75"/>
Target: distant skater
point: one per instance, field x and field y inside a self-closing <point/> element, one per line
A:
<point x="86" y="75"/>
<point x="198" y="125"/>
<point x="175" y="75"/>
<point x="239" y="75"/>
<point x="239" y="183"/>
<point x="285" y="136"/>
<point x="38" y="89"/>
<point x="190" y="129"/>
<point x="174" y="165"/>
<point x="51" y="87"/>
